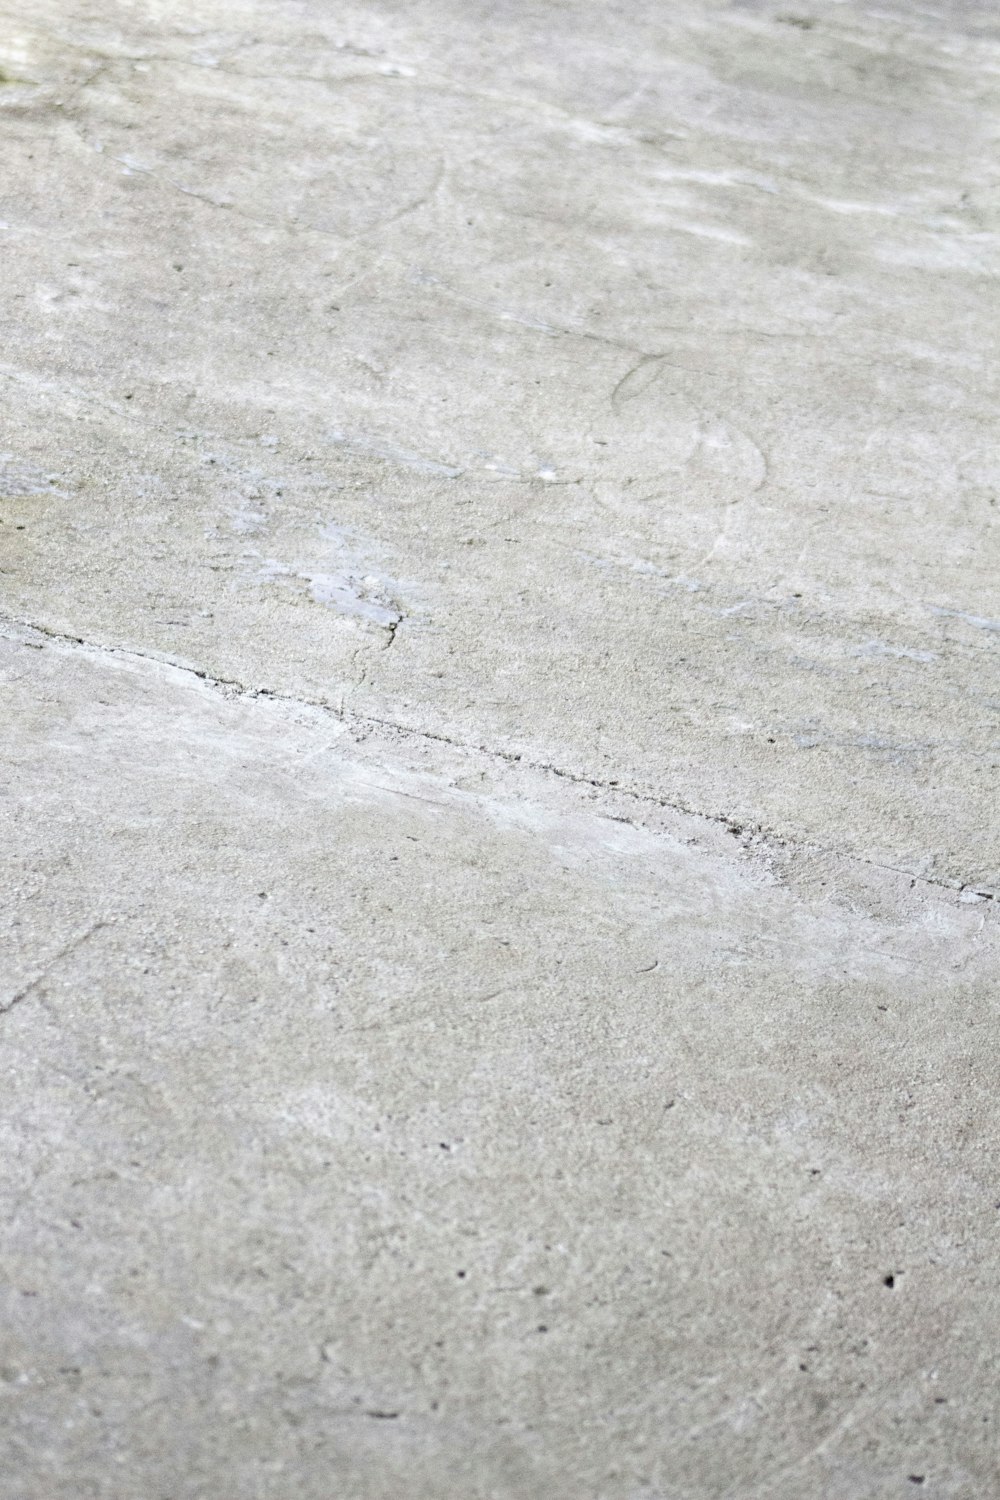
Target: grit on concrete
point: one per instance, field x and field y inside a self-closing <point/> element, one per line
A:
<point x="501" y="716"/>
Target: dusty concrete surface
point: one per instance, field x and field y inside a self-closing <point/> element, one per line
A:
<point x="500" y="622"/>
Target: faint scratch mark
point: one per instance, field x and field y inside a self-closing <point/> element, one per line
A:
<point x="636" y="380"/>
<point x="767" y="1483"/>
<point x="980" y="622"/>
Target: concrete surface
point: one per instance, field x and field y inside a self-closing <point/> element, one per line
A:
<point x="501" y="718"/>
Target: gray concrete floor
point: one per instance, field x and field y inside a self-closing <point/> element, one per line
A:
<point x="501" y="861"/>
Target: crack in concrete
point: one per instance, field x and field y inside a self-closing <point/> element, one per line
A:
<point x="352" y="718"/>
<point x="28" y="989"/>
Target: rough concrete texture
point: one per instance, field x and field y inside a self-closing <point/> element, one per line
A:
<point x="500" y="734"/>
